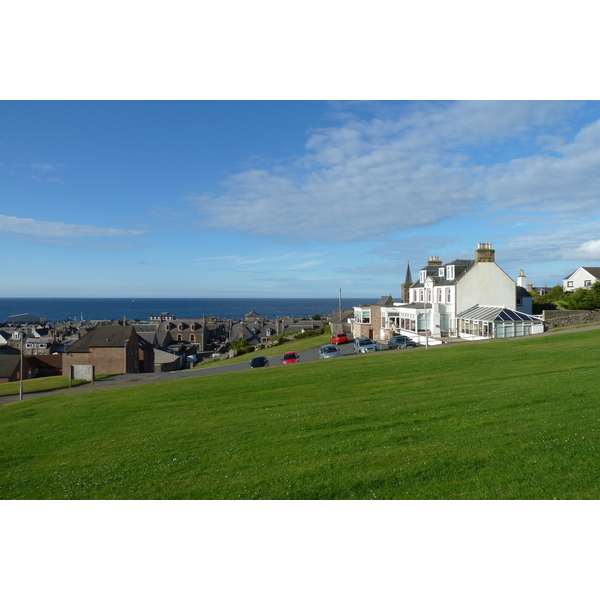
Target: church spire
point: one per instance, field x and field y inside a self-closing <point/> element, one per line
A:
<point x="406" y="285"/>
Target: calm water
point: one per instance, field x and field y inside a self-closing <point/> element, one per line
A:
<point x="63" y="309"/>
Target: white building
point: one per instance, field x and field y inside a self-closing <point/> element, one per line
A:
<point x="584" y="277"/>
<point x="448" y="299"/>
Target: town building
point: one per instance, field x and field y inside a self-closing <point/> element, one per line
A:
<point x="446" y="301"/>
<point x="111" y="349"/>
<point x="583" y="277"/>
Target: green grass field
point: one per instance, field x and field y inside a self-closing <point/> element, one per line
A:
<point x="43" y="384"/>
<point x="510" y="419"/>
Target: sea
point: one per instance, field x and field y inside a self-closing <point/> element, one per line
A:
<point x="89" y="309"/>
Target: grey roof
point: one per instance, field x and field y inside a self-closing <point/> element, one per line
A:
<point x="163" y="357"/>
<point x="495" y="314"/>
<point x="461" y="266"/>
<point x="105" y="336"/>
<point x="593" y="271"/>
<point x="8" y="364"/>
<point x="146" y="327"/>
<point x="26" y="318"/>
<point x="385" y="301"/>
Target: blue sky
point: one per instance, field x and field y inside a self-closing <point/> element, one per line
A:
<point x="289" y="198"/>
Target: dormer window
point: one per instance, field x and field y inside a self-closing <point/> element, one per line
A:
<point x="441" y="271"/>
<point x="450" y="272"/>
<point x="423" y="275"/>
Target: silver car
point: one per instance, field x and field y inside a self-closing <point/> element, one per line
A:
<point x="364" y="345"/>
<point x="329" y="351"/>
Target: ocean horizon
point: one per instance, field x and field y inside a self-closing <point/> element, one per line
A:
<point x="98" y="309"/>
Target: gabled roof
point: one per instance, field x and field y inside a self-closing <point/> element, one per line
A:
<point x="593" y="271"/>
<point x="105" y="336"/>
<point x="495" y="314"/>
<point x="385" y="301"/>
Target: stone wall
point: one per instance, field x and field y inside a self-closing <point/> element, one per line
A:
<point x="566" y="318"/>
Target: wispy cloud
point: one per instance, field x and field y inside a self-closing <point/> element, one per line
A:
<point x="431" y="162"/>
<point x="53" y="229"/>
<point x="38" y="170"/>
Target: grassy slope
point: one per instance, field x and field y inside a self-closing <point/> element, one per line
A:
<point x="506" y="419"/>
<point x="42" y="384"/>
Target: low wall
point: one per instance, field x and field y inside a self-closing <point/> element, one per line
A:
<point x="567" y="318"/>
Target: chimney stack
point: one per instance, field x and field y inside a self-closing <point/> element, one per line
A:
<point x="434" y="261"/>
<point x="521" y="280"/>
<point x="484" y="253"/>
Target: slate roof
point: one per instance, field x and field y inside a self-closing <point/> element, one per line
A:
<point x="593" y="271"/>
<point x="461" y="266"/>
<point x="26" y="318"/>
<point x="8" y="364"/>
<point x="495" y="314"/>
<point x="105" y="336"/>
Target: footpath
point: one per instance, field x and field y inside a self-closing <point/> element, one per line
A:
<point x="132" y="379"/>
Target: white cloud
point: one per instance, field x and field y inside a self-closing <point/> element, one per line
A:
<point x="52" y="229"/>
<point x="434" y="161"/>
<point x="587" y="251"/>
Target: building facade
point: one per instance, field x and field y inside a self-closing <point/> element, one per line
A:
<point x="443" y="294"/>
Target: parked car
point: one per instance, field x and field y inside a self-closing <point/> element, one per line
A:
<point x="339" y="338"/>
<point x="364" y="345"/>
<point x="329" y="351"/>
<point x="259" y="361"/>
<point x="290" y="357"/>
<point x="401" y="341"/>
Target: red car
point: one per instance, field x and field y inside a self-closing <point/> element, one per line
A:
<point x="290" y="357"/>
<point x="339" y="338"/>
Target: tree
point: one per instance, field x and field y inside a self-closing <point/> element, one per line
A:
<point x="583" y="298"/>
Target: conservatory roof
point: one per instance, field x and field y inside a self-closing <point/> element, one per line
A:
<point x="495" y="314"/>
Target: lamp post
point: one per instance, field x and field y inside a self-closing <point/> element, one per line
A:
<point x="21" y="370"/>
<point x="125" y="351"/>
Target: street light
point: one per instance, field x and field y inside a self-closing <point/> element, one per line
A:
<point x="21" y="370"/>
<point x="125" y="350"/>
